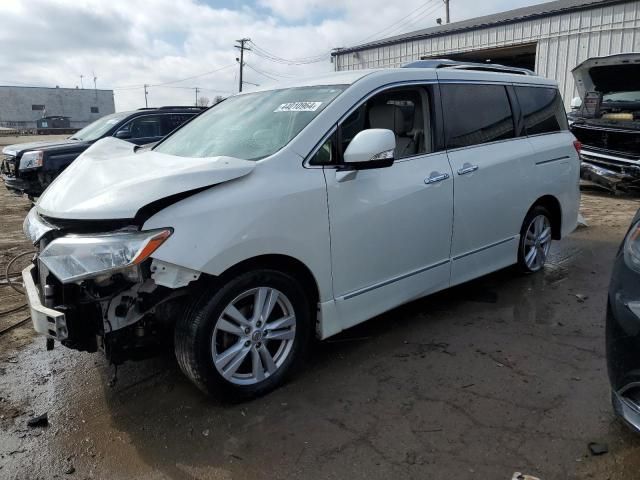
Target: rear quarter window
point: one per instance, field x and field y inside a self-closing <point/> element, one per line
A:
<point x="476" y="114"/>
<point x="542" y="110"/>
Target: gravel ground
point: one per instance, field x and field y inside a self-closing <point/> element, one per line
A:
<point x="503" y="374"/>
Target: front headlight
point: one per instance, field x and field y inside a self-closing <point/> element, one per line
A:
<point x="35" y="227"/>
<point x="632" y="248"/>
<point x="77" y="257"/>
<point x="31" y="160"/>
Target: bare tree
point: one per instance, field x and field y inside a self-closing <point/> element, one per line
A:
<point x="217" y="99"/>
<point x="203" y="101"/>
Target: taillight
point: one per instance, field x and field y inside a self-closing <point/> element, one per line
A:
<point x="577" y="145"/>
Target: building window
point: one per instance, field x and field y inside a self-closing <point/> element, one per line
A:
<point x="37" y="107"/>
<point x="95" y="110"/>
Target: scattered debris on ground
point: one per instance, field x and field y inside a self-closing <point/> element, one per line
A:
<point x="39" y="421"/>
<point x="598" y="448"/>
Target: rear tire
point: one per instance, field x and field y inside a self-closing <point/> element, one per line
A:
<point x="535" y="240"/>
<point x="244" y="338"/>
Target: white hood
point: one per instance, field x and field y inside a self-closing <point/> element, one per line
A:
<point x="110" y="181"/>
<point x="613" y="73"/>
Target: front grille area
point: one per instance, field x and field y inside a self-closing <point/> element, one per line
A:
<point x="615" y="163"/>
<point x="8" y="165"/>
<point x="622" y="143"/>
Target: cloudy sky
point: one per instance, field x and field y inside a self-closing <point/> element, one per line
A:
<point x="177" y="45"/>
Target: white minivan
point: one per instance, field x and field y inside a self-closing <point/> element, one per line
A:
<point x="299" y="211"/>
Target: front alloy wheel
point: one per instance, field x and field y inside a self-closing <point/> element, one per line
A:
<point x="243" y="338"/>
<point x="254" y="336"/>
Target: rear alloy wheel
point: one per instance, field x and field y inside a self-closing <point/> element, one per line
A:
<point x="535" y="240"/>
<point x="247" y="338"/>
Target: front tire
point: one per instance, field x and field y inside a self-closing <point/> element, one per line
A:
<point x="246" y="337"/>
<point x="535" y="240"/>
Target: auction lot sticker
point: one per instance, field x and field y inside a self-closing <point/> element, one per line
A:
<point x="298" y="107"/>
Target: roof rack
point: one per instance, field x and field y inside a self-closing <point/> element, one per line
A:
<point x="190" y="107"/>
<point x="486" y="67"/>
<point x="174" y="107"/>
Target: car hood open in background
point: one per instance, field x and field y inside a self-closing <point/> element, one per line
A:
<point x="614" y="73"/>
<point x="110" y="181"/>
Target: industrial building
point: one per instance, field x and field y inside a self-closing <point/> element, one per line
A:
<point x="550" y="38"/>
<point x="22" y="107"/>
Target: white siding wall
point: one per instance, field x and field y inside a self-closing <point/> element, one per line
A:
<point x="563" y="41"/>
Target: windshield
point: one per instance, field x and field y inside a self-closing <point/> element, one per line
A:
<point x="95" y="130"/>
<point x="250" y="126"/>
<point x="630" y="96"/>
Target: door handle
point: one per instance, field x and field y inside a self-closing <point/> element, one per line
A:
<point x="436" y="177"/>
<point x="467" y="168"/>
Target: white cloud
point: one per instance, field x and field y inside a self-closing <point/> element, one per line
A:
<point x="156" y="41"/>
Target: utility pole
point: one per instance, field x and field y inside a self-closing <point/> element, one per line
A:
<point x="146" y="105"/>
<point x="197" y="90"/>
<point x="447" y="19"/>
<point x="240" y="60"/>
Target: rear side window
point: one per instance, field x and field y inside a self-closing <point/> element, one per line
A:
<point x="476" y="114"/>
<point x="172" y="121"/>
<point x="542" y="109"/>
<point x="147" y="126"/>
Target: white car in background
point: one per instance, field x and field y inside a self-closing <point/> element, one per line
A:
<point x="302" y="210"/>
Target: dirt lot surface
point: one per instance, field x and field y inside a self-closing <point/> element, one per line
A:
<point x="504" y="374"/>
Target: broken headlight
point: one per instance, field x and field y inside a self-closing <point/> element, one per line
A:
<point x="31" y="160"/>
<point x="77" y="257"/>
<point x="35" y="227"/>
<point x="632" y="247"/>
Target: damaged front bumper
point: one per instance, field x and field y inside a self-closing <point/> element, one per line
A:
<point x="102" y="290"/>
<point x="46" y="321"/>
<point x="19" y="182"/>
<point x="613" y="172"/>
<point x="122" y="317"/>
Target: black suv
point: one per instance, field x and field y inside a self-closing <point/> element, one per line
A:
<point x="30" y="167"/>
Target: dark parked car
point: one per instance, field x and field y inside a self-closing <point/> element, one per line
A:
<point x="623" y="328"/>
<point x="608" y="122"/>
<point x="30" y="167"/>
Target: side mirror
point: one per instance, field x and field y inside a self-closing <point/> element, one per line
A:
<point x="123" y="134"/>
<point x="372" y="148"/>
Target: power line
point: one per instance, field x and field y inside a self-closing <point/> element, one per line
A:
<point x="262" y="73"/>
<point x="424" y="9"/>
<point x="133" y="87"/>
<point x="401" y="28"/>
<point x="261" y="52"/>
<point x="382" y="32"/>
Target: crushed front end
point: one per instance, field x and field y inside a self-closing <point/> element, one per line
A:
<point x="608" y="120"/>
<point x="94" y="286"/>
<point x="22" y="172"/>
<point x="610" y="154"/>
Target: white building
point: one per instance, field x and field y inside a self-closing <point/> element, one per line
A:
<point x="21" y="107"/>
<point x="550" y="38"/>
